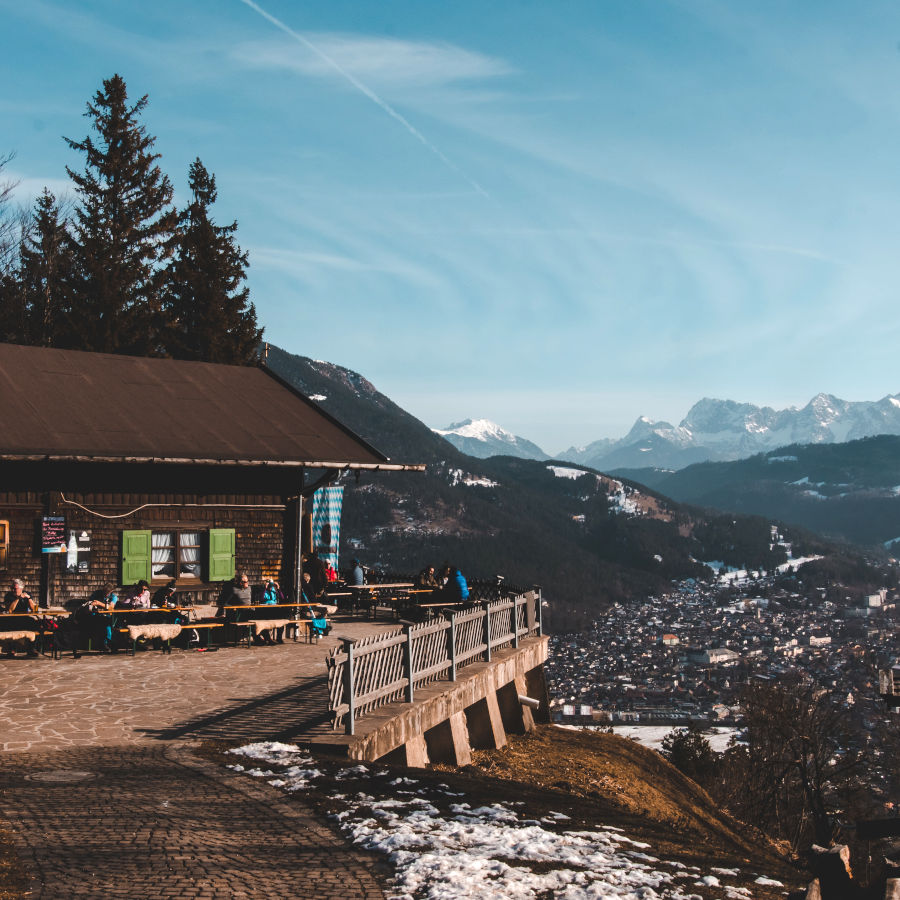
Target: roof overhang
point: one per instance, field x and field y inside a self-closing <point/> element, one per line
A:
<point x="191" y="461"/>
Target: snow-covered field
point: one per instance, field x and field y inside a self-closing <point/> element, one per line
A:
<point x="652" y="736"/>
<point x="441" y="848"/>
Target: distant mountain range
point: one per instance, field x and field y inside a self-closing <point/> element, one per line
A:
<point x="713" y="430"/>
<point x="725" y="430"/>
<point x="589" y="539"/>
<point x="482" y="438"/>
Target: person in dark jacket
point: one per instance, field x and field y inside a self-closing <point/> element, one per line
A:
<point x="427" y="579"/>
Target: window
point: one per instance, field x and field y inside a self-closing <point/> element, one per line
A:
<point x="164" y="555"/>
<point x="4" y="544"/>
<point x="175" y="554"/>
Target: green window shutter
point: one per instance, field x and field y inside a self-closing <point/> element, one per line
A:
<point x="135" y="556"/>
<point x="221" y="554"/>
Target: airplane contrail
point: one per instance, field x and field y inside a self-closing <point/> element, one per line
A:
<point x="368" y="92"/>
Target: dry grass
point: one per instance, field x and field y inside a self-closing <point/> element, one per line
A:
<point x="610" y="780"/>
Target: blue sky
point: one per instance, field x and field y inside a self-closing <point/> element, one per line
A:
<point x="558" y="216"/>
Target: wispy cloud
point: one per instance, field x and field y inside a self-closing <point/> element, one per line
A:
<point x="384" y="62"/>
<point x="365" y="90"/>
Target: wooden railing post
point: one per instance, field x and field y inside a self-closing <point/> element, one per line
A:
<point x="539" y="611"/>
<point x="350" y="725"/>
<point x="408" y="662"/>
<point x="514" y="619"/>
<point x="451" y="644"/>
<point x="487" y="631"/>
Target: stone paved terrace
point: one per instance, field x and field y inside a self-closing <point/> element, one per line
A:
<point x="106" y="799"/>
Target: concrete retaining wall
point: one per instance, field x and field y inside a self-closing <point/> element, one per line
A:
<point x="447" y="719"/>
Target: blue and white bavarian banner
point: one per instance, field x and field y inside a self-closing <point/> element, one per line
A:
<point x="326" y="523"/>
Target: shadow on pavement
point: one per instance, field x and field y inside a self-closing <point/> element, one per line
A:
<point x="288" y="714"/>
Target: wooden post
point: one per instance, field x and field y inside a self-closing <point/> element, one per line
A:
<point x="408" y="662"/>
<point x="514" y="620"/>
<point x="487" y="632"/>
<point x="350" y="726"/>
<point x="540" y="610"/>
<point x="451" y="645"/>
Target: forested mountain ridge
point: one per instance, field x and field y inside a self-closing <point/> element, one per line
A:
<point x="587" y="538"/>
<point x="849" y="491"/>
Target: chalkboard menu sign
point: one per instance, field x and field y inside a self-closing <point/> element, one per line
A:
<point x="53" y="534"/>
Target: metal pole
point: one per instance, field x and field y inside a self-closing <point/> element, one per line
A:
<point x="350" y="726"/>
<point x="408" y="662"/>
<point x="298" y="548"/>
<point x="487" y="631"/>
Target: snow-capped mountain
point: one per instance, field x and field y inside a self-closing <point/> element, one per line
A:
<point x="482" y="438"/>
<point x="725" y="430"/>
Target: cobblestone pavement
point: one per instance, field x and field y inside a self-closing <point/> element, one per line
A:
<point x="157" y="822"/>
<point x="106" y="799"/>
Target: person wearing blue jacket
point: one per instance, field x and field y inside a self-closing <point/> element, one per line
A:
<point x="457" y="589"/>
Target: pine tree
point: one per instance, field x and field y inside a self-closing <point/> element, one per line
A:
<point x="209" y="316"/>
<point x="45" y="273"/>
<point x="123" y="225"/>
<point x="12" y="304"/>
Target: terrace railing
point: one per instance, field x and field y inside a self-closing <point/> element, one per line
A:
<point x="371" y="672"/>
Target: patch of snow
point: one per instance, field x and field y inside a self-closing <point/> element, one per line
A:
<point x="457" y="477"/>
<point x="566" y="472"/>
<point x="770" y="882"/>
<point x="317" y="397"/>
<point x="468" y="852"/>
<point x="652" y="736"/>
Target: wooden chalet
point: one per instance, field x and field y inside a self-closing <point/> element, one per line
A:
<point x="117" y="468"/>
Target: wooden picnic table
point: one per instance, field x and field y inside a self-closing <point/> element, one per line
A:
<point x="377" y="587"/>
<point x="236" y="620"/>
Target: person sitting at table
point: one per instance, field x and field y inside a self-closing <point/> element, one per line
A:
<point x="456" y="590"/>
<point x="427" y="579"/>
<point x="356" y="577"/>
<point x="241" y="593"/>
<point x="273" y="596"/>
<point x="17" y="601"/>
<point x="140" y="595"/>
<point x="164" y="598"/>
<point x="91" y="624"/>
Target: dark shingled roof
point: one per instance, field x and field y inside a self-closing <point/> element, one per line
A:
<point x="69" y="404"/>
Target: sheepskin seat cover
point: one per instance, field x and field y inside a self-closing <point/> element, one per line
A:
<point x="268" y="624"/>
<point x="160" y="630"/>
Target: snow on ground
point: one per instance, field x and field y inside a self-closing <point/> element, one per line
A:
<point x="796" y="563"/>
<point x="457" y="476"/>
<point x="652" y="736"/>
<point x="566" y="472"/>
<point x="443" y="849"/>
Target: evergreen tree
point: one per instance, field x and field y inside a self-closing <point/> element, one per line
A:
<point x="208" y="313"/>
<point x="122" y="226"/>
<point x="12" y="306"/>
<point x="45" y="273"/>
